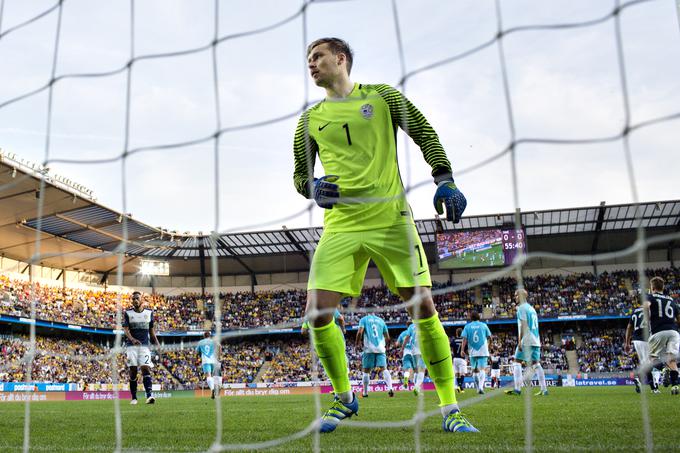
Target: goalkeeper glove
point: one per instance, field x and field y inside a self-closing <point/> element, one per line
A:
<point x="326" y="192"/>
<point x="454" y="200"/>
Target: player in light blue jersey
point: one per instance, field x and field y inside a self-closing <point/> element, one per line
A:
<point x="528" y="345"/>
<point x="418" y="364"/>
<point x="407" y="364"/>
<point x="373" y="332"/>
<point x="475" y="337"/>
<point x="212" y="369"/>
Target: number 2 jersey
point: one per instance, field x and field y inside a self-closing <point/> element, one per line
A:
<point x="355" y="139"/>
<point x="662" y="313"/>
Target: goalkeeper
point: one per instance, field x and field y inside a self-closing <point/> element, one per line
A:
<point x="353" y="133"/>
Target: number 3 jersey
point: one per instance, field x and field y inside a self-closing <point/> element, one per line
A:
<point x="355" y="139"/>
<point x="374" y="334"/>
<point x="662" y="312"/>
<point x="139" y="323"/>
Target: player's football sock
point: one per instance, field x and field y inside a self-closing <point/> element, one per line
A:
<point x="651" y="382"/>
<point x="388" y="379"/>
<point x="482" y="379"/>
<point x="637" y="384"/>
<point x="211" y="383"/>
<point x="365" y="380"/>
<point x="541" y="376"/>
<point x="517" y="376"/>
<point x="420" y="377"/>
<point x="345" y="397"/>
<point x="656" y="375"/>
<point x="218" y="382"/>
<point x="329" y="344"/>
<point x="666" y="377"/>
<point x="436" y="352"/>
<point x="133" y="389"/>
<point x="406" y="376"/>
<point x="674" y="377"/>
<point x="147" y="384"/>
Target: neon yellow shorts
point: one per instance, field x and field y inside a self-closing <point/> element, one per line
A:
<point x="341" y="259"/>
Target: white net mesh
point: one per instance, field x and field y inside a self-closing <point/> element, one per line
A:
<point x="509" y="108"/>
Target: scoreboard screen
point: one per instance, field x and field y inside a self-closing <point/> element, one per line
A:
<point x="469" y="249"/>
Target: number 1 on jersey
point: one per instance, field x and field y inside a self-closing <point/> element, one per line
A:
<point x="349" y="138"/>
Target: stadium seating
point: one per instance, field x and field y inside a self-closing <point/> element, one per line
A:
<point x="551" y="295"/>
<point x="599" y="349"/>
<point x="60" y="360"/>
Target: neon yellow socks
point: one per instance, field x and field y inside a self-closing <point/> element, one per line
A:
<point x="329" y="344"/>
<point x="436" y="352"/>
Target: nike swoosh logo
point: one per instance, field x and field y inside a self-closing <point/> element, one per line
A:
<point x="324" y="126"/>
<point x="419" y="273"/>
<point x="438" y="361"/>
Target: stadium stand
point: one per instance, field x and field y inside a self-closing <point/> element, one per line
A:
<point x="551" y="295"/>
<point x="61" y="360"/>
<point x="599" y="345"/>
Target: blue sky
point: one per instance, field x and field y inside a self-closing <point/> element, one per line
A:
<point x="564" y="84"/>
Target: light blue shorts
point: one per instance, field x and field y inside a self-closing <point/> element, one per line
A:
<point x="412" y="362"/>
<point x="478" y="363"/>
<point x="407" y="362"/>
<point x="211" y="369"/>
<point x="370" y="360"/>
<point x="533" y="354"/>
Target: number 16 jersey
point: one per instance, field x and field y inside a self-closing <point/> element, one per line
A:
<point x="662" y="313"/>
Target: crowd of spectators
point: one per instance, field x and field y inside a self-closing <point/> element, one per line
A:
<point x="551" y="295"/>
<point x="92" y="307"/>
<point x="603" y="351"/>
<point x="59" y="360"/>
<point x="240" y="362"/>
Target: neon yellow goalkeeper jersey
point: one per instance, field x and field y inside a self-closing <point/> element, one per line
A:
<point x="355" y="139"/>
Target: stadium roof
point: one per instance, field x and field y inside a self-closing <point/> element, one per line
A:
<point x="78" y="233"/>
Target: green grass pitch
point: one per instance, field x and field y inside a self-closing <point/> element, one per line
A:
<point x="467" y="261"/>
<point x="569" y="419"/>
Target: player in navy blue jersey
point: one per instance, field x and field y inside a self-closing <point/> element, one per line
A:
<point x="637" y="333"/>
<point x="459" y="361"/>
<point x="495" y="371"/>
<point x="664" y="318"/>
<point x="139" y="332"/>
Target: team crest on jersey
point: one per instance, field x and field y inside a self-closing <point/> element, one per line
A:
<point x="367" y="111"/>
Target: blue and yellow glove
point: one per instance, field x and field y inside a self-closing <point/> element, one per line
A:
<point x="326" y="192"/>
<point x="447" y="194"/>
